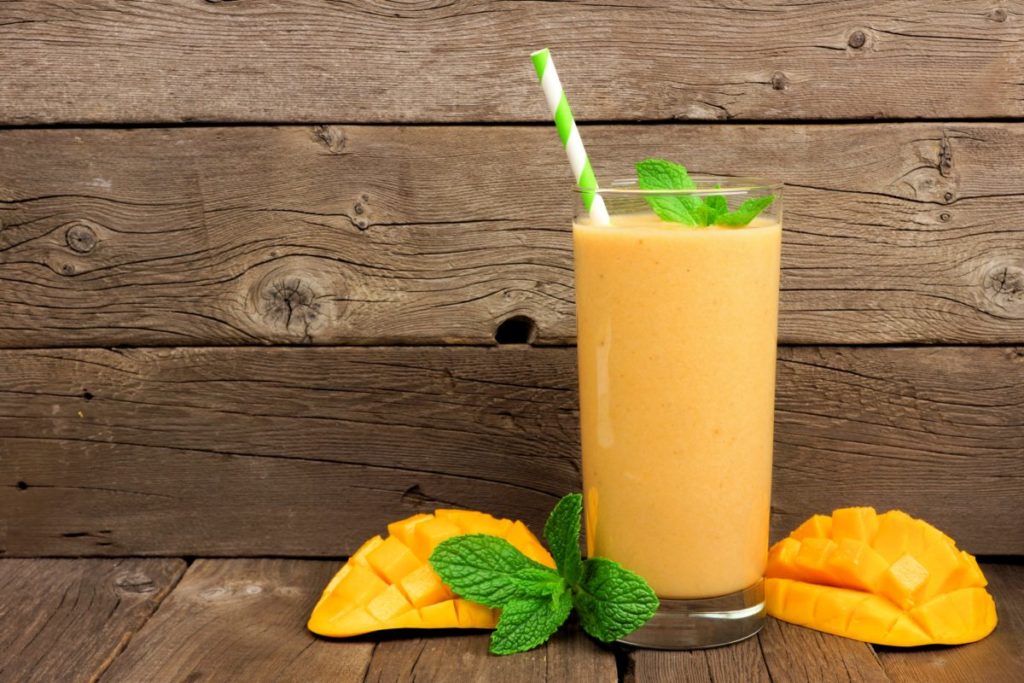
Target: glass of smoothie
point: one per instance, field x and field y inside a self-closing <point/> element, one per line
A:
<point x="677" y="328"/>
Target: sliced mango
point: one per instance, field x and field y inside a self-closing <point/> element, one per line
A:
<point x="403" y="528"/>
<point x="392" y="559"/>
<point x="887" y="579"/>
<point x="859" y="524"/>
<point x="428" y="534"/>
<point x="523" y="538"/>
<point x="388" y="583"/>
<point x="855" y="564"/>
<point x="423" y="586"/>
<point x="818" y="526"/>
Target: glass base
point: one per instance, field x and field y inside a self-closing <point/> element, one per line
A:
<point x="703" y="622"/>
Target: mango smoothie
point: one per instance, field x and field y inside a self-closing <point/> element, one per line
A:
<point x="677" y="346"/>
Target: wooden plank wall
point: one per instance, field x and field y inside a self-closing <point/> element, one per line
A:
<point x="254" y="256"/>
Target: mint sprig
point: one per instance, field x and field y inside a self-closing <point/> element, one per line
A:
<point x="694" y="211"/>
<point x="562" y="532"/>
<point x="492" y="571"/>
<point x="535" y="600"/>
<point x="529" y="622"/>
<point x="609" y="596"/>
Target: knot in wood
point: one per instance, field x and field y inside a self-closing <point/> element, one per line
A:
<point x="1004" y="286"/>
<point x="857" y="40"/>
<point x="997" y="15"/>
<point x="360" y="220"/>
<point x="331" y="137"/>
<point x="779" y="81"/>
<point x="80" y="238"/>
<point x="135" y="583"/>
<point x="945" y="158"/>
<point x="291" y="301"/>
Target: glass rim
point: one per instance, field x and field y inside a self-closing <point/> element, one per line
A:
<point x="728" y="185"/>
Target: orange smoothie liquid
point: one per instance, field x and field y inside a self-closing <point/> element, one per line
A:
<point x="677" y="347"/>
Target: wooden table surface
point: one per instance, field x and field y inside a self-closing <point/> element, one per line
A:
<point x="259" y="262"/>
<point x="167" y="619"/>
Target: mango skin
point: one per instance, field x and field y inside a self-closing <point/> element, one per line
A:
<point x="886" y="579"/>
<point x="388" y="582"/>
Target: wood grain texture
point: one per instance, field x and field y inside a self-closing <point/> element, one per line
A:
<point x="740" y="662"/>
<point x="379" y="235"/>
<point x="309" y="451"/>
<point x="66" y="620"/>
<point x="312" y="60"/>
<point x="241" y="620"/>
<point x="795" y="653"/>
<point x="569" y="657"/>
<point x="998" y="658"/>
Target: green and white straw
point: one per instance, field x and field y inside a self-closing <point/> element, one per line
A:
<point x="570" y="135"/>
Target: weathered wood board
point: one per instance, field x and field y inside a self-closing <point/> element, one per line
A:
<point x="66" y="620"/>
<point x="241" y="620"/>
<point x="70" y="620"/>
<point x="780" y="652"/>
<point x="570" y="656"/>
<point x="315" y="61"/>
<point x="245" y="620"/>
<point x="743" y="661"/>
<point x="381" y="235"/>
<point x="308" y="451"/>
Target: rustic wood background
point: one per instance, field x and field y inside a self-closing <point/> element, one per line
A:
<point x="254" y="257"/>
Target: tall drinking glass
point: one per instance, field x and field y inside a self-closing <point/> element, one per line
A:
<point x="677" y="330"/>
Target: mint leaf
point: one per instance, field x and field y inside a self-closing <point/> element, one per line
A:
<point x="658" y="174"/>
<point x="746" y="212"/>
<point x="717" y="205"/>
<point x="526" y="623"/>
<point x="491" y="571"/>
<point x="612" y="601"/>
<point x="538" y="582"/>
<point x="562" y="533"/>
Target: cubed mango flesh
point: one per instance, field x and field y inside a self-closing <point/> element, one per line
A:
<point x="854" y="564"/>
<point x="424" y="587"/>
<point x="817" y="526"/>
<point x="402" y="529"/>
<point x="475" y="522"/>
<point x="474" y="615"/>
<point x="359" y="556"/>
<point x="903" y="580"/>
<point x="887" y="579"/>
<point x="388" y="604"/>
<point x="388" y="583"/>
<point x="442" y="614"/>
<point x="392" y="560"/>
<point x="859" y="524"/>
<point x="428" y="534"/>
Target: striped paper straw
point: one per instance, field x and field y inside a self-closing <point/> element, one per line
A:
<point x="570" y="135"/>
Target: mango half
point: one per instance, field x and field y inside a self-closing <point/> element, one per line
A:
<point x="887" y="579"/>
<point x="388" y="582"/>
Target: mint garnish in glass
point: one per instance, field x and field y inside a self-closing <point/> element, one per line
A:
<point x="692" y="210"/>
<point x="535" y="600"/>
